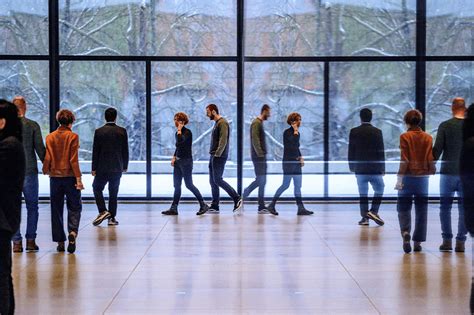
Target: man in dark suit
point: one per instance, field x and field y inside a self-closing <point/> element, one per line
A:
<point x="109" y="161"/>
<point x="367" y="161"/>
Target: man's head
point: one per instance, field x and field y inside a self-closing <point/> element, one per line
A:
<point x="294" y="118"/>
<point x="413" y="118"/>
<point x="10" y="124"/>
<point x="365" y="115"/>
<point x="458" y="107"/>
<point x="65" y="117"/>
<point x="212" y="111"/>
<point x="265" y="112"/>
<point x="20" y="103"/>
<point x="180" y="117"/>
<point x="110" y="114"/>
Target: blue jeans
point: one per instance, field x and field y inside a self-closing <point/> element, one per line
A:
<point x="376" y="181"/>
<point x="414" y="187"/>
<point x="260" y="167"/>
<point x="61" y="187"/>
<point x="449" y="184"/>
<point x="30" y="192"/>
<point x="216" y="171"/>
<point x="183" y="169"/>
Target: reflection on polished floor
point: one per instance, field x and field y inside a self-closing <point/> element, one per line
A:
<point x="226" y="264"/>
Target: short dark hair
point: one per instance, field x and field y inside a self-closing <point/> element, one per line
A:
<point x="110" y="114"/>
<point x="265" y="107"/>
<point x="413" y="117"/>
<point x="65" y="117"/>
<point x="365" y="115"/>
<point x="213" y="107"/>
<point x="180" y="116"/>
<point x="9" y="112"/>
<point x="293" y="117"/>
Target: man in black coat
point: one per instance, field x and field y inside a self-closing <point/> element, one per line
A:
<point x="367" y="161"/>
<point x="109" y="161"/>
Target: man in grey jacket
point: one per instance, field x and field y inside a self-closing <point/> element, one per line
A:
<point x="258" y="150"/>
<point x="219" y="152"/>
<point x="33" y="146"/>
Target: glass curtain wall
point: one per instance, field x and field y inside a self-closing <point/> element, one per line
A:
<point x="324" y="59"/>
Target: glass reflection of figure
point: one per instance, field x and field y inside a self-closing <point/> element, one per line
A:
<point x="259" y="159"/>
<point x="182" y="163"/>
<point x="219" y="151"/>
<point x="293" y="163"/>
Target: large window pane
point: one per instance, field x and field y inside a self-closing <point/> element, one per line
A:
<point x="333" y="27"/>
<point x="150" y="27"/>
<point x="27" y="78"/>
<point x="190" y="87"/>
<point x="450" y="27"/>
<point x="286" y="87"/>
<point x="388" y="88"/>
<point x="24" y="27"/>
<point x="88" y="88"/>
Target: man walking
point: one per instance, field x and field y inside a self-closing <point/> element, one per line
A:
<point x="448" y="147"/>
<point x="33" y="146"/>
<point x="367" y="161"/>
<point x="219" y="152"/>
<point x="109" y="161"/>
<point x="258" y="152"/>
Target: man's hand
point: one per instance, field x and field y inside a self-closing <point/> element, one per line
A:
<point x="173" y="160"/>
<point x="94" y="173"/>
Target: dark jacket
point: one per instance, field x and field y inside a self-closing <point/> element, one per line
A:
<point x="32" y="144"/>
<point x="366" y="150"/>
<point x="220" y="139"/>
<point x="110" y="149"/>
<point x="467" y="177"/>
<point x="184" y="144"/>
<point x="12" y="175"/>
<point x="291" y="146"/>
<point x="257" y="139"/>
<point x="448" y="145"/>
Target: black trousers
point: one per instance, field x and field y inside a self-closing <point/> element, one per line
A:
<point x="61" y="187"/>
<point x="7" y="298"/>
<point x="183" y="169"/>
<point x="260" y="167"/>
<point x="100" y="180"/>
<point x="216" y="171"/>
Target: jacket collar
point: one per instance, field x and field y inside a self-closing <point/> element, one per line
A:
<point x="416" y="129"/>
<point x="63" y="128"/>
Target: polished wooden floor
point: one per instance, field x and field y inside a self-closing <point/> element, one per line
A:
<point x="247" y="264"/>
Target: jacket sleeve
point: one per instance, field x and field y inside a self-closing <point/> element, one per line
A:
<point x="74" y="156"/>
<point x="95" y="152"/>
<point x="256" y="134"/>
<point x="430" y="158"/>
<point x="351" y="152"/>
<point x="38" y="143"/>
<point x="381" y="152"/>
<point x="404" y="159"/>
<point x="125" y="153"/>
<point x="47" y="158"/>
<point x="439" y="143"/>
<point x="223" y="135"/>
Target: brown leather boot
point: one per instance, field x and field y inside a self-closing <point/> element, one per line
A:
<point x="460" y="248"/>
<point x="31" y="246"/>
<point x="17" y="246"/>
